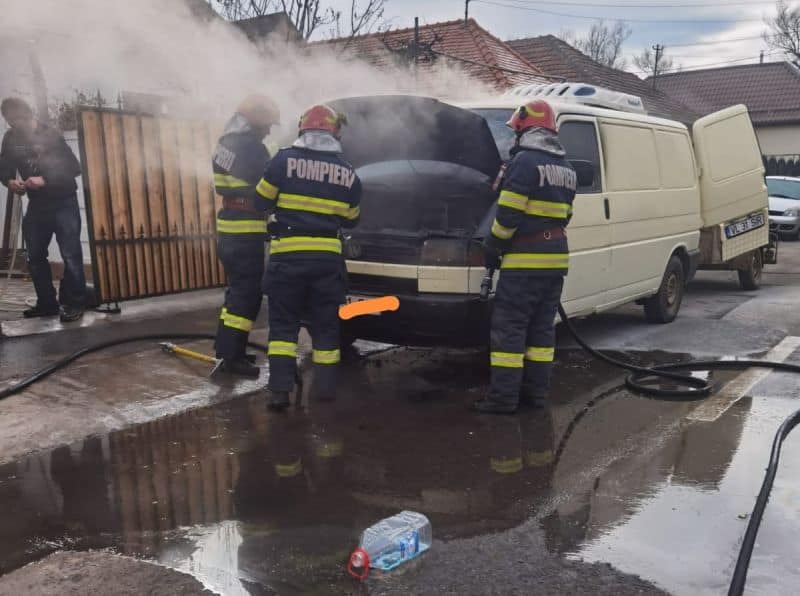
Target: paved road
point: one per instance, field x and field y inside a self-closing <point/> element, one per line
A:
<point x="251" y="502"/>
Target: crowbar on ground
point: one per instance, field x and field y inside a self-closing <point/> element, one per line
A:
<point x="171" y="348"/>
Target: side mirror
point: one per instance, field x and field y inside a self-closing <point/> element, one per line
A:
<point x="585" y="171"/>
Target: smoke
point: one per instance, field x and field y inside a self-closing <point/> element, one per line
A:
<point x="167" y="47"/>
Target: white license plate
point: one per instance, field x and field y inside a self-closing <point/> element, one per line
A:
<point x="352" y="298"/>
<point x="743" y="226"/>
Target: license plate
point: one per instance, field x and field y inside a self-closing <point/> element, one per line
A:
<point x="352" y="298"/>
<point x="743" y="226"/>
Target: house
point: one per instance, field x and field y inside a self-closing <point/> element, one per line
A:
<point x="771" y="92"/>
<point x="479" y="54"/>
<point x="276" y="26"/>
<point x="557" y="58"/>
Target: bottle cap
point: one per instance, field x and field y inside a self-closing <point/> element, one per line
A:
<point x="358" y="566"/>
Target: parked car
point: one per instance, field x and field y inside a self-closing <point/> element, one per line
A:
<point x="784" y="206"/>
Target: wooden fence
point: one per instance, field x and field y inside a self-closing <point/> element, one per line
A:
<point x="150" y="204"/>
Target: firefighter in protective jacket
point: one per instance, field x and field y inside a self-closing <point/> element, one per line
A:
<point x="534" y="207"/>
<point x="239" y="159"/>
<point x="315" y="193"/>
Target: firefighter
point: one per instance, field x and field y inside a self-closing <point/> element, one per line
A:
<point x="239" y="159"/>
<point x="315" y="193"/>
<point x="534" y="206"/>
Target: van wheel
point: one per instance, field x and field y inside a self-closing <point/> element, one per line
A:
<point x="750" y="278"/>
<point x="664" y="306"/>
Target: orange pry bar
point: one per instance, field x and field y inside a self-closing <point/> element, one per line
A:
<point x="368" y="307"/>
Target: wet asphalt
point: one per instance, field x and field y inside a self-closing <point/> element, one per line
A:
<point x="602" y="493"/>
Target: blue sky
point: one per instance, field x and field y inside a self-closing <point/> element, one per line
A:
<point x="525" y="18"/>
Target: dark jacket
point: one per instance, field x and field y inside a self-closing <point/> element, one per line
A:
<point x="42" y="152"/>
<point x="315" y="193"/>
<point x="239" y="160"/>
<point x="536" y="197"/>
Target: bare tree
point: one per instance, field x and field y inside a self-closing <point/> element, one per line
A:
<point x="602" y="43"/>
<point x="309" y="15"/>
<point x="784" y="31"/>
<point x="646" y="62"/>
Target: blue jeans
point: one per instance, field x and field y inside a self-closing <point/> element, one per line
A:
<point x="62" y="218"/>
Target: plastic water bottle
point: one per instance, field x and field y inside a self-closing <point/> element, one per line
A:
<point x="390" y="543"/>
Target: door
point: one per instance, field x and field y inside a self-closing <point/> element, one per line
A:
<point x="589" y="231"/>
<point x="731" y="168"/>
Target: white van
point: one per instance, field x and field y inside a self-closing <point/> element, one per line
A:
<point x="661" y="203"/>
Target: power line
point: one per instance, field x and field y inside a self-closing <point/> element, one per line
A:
<point x="712" y="43"/>
<point x="594" y="18"/>
<point x="655" y="6"/>
<point x="704" y="66"/>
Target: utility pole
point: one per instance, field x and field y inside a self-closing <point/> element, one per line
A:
<point x="659" y="49"/>
<point x="466" y="11"/>
<point x="761" y="61"/>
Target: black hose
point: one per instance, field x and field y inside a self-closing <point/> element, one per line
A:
<point x="61" y="363"/>
<point x="698" y="388"/>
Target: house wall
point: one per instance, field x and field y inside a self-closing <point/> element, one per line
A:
<point x="779" y="140"/>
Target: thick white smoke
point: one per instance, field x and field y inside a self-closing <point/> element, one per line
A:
<point x="162" y="47"/>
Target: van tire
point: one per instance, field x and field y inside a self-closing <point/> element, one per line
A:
<point x="750" y="278"/>
<point x="663" y="307"/>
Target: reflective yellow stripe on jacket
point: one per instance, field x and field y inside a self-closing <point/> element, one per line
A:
<point x="532" y="260"/>
<point x="316" y="205"/>
<point x="228" y="181"/>
<point x="501" y="231"/>
<point x="242" y="226"/>
<point x="267" y="190"/>
<point x="547" y="208"/>
<point x="305" y="244"/>
<point x="514" y="200"/>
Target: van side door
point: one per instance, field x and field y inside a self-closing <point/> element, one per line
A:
<point x="589" y="231"/>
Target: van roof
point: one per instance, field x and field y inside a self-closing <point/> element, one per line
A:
<point x="563" y="107"/>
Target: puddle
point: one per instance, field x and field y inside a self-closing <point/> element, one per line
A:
<point x="251" y="502"/>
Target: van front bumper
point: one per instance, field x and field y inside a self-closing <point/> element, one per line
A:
<point x="453" y="320"/>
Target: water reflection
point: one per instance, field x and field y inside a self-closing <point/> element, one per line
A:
<point x="251" y="502"/>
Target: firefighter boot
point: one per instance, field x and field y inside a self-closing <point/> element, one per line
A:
<point x="241" y="367"/>
<point x="489" y="406"/>
<point x="277" y="400"/>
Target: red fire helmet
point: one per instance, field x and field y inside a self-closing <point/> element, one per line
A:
<point x="322" y="117"/>
<point x="536" y="113"/>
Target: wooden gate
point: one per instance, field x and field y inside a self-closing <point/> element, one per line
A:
<point x="150" y="204"/>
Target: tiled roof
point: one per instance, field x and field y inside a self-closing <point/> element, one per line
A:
<point x="479" y="53"/>
<point x="556" y="57"/>
<point x="770" y="91"/>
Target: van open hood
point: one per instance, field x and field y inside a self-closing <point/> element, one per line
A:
<point x="400" y="127"/>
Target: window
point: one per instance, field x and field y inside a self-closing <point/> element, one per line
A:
<point x="783" y="189"/>
<point x="496" y="118"/>
<point x="580" y="142"/>
<point x="675" y="160"/>
<point x="631" y="158"/>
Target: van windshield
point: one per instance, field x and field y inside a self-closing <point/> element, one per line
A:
<point x="785" y="189"/>
<point x="496" y="118"/>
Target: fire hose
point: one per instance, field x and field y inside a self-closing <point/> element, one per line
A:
<point x="694" y="388"/>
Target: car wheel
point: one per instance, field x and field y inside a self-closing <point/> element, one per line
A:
<point x="663" y="307"/>
<point x="750" y="278"/>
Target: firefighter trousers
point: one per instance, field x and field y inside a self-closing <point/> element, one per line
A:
<point x="242" y="256"/>
<point x="523" y="335"/>
<point x="304" y="289"/>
